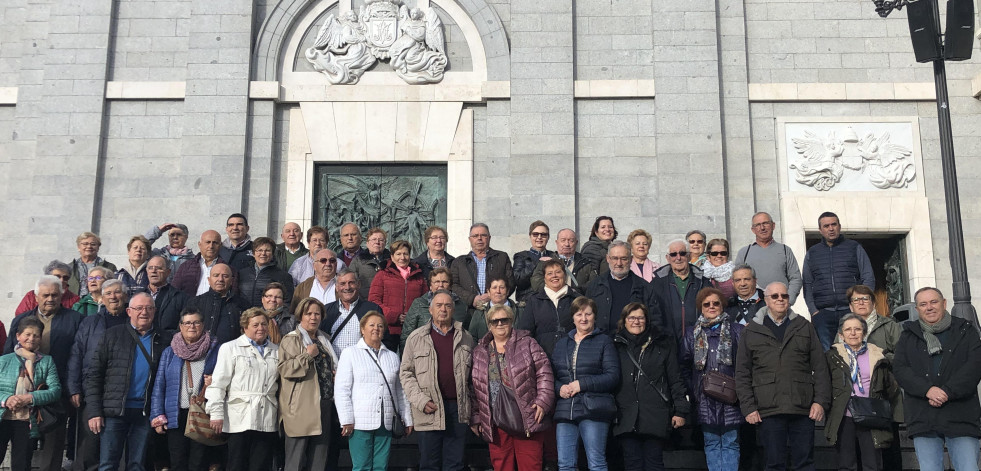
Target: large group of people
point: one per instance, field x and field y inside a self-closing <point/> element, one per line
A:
<point x="253" y="355"/>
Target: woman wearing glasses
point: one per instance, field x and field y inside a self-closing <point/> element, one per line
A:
<point x="718" y="268"/>
<point x="435" y="255"/>
<point x="89" y="304"/>
<point x="710" y="346"/>
<point x="883" y="331"/>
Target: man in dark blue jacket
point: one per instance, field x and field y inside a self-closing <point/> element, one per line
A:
<point x="618" y="287"/>
<point x="830" y="268"/>
<point x="236" y="250"/>
<point x="676" y="286"/>
<point x="220" y="306"/>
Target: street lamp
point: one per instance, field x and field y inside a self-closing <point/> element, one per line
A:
<point x="931" y="45"/>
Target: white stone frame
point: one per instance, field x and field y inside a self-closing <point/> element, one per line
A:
<point x="883" y="211"/>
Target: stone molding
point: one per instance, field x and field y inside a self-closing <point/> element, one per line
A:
<point x="8" y="96"/>
<point x="614" y="89"/>
<point x="126" y="90"/>
<point x="873" y="91"/>
<point x="976" y="87"/>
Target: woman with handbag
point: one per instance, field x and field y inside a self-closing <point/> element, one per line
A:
<point x="651" y="398"/>
<point x="28" y="381"/>
<point x="184" y="372"/>
<point x="708" y="366"/>
<point x="513" y="393"/>
<point x="307" y="364"/>
<point x="865" y="392"/>
<point x="370" y="403"/>
<point x="587" y="371"/>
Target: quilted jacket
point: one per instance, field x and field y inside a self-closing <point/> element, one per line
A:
<point x="395" y="294"/>
<point x="596" y="367"/>
<point x="360" y="393"/>
<point x="167" y="386"/>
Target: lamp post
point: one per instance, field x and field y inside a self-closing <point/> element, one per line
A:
<point x="955" y="232"/>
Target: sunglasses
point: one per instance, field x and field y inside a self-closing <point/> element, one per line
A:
<point x="539" y="235"/>
<point x="500" y="321"/>
<point x="722" y="253"/>
<point x="711" y="304"/>
<point x="324" y="261"/>
<point x="776" y="296"/>
<point x="681" y="253"/>
<point x="695" y="241"/>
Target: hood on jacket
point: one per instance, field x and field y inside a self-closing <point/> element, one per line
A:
<point x="765" y="310"/>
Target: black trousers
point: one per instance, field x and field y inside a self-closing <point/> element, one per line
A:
<point x="641" y="452"/>
<point x="443" y="448"/>
<point x="855" y="440"/>
<point x="251" y="450"/>
<point x="185" y="454"/>
<point x="781" y="432"/>
<point x="18" y="434"/>
<point x="87" y="446"/>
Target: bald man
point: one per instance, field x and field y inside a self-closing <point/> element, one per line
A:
<point x="192" y="276"/>
<point x="220" y="306"/>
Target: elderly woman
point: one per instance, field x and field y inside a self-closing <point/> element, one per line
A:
<point x="89" y="304"/>
<point x="281" y="321"/>
<point x="547" y="314"/>
<point x="418" y="316"/>
<point x="184" y="372"/>
<point x="696" y="244"/>
<point x="133" y="273"/>
<point x="369" y="262"/>
<point x="640" y="247"/>
<point x="498" y="292"/>
<point x="242" y="394"/>
<point x="306" y="397"/>
<point x="176" y="252"/>
<point x="253" y="280"/>
<point x="368" y="382"/>
<point x="587" y="370"/>
<point x="858" y="369"/>
<point x="711" y="346"/>
<point x="395" y="288"/>
<point x="88" y="258"/>
<point x="28" y="379"/>
<point x="883" y="331"/>
<point x="718" y="268"/>
<point x="68" y="298"/>
<point x="435" y="255"/>
<point x="508" y="358"/>
<point x="603" y="232"/>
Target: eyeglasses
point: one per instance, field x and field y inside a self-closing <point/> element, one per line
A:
<point x="776" y="296"/>
<point x="192" y="323"/>
<point x="95" y="278"/>
<point x="712" y="304"/>
<point x="761" y="225"/>
<point x="539" y="235"/>
<point x="437" y="237"/>
<point x="620" y="259"/>
<point x="861" y="299"/>
<point x="695" y="241"/>
<point x="635" y="319"/>
<point x="262" y="251"/>
<point x="144" y="308"/>
<point x="500" y="321"/>
<point x="90" y="244"/>
<point x="723" y="253"/>
<point x="271" y="296"/>
<point x="324" y="261"/>
<point x="680" y="253"/>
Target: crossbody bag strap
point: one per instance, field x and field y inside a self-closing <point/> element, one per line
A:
<point x="651" y="380"/>
<point x="337" y="332"/>
<point x="132" y="333"/>
<point x="497" y="358"/>
<point x="385" y="379"/>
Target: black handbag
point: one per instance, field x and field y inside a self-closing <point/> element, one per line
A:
<point x="719" y="386"/>
<point x="505" y="411"/>
<point x="599" y="406"/>
<point x="871" y="413"/>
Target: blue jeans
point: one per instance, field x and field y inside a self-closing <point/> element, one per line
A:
<point x="826" y="325"/>
<point x="131" y="431"/>
<point x="593" y="433"/>
<point x="721" y="447"/>
<point x="964" y="453"/>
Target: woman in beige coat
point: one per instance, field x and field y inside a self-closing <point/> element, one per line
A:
<point x="306" y="395"/>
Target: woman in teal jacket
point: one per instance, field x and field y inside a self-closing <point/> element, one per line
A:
<point x="28" y="379"/>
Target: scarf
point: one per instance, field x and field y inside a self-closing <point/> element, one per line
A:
<point x="718" y="273"/>
<point x="637" y="343"/>
<point x="191" y="351"/>
<point x="323" y="363"/>
<point x="185" y="250"/>
<point x="933" y="343"/>
<point x="25" y="382"/>
<point x="853" y="363"/>
<point x="871" y="321"/>
<point x="555" y="296"/>
<point x="724" y="354"/>
<point x="136" y="272"/>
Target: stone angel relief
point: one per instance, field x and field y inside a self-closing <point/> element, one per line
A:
<point x="339" y="51"/>
<point x="822" y="162"/>
<point x="418" y="56"/>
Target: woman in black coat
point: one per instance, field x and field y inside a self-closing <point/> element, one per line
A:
<point x="547" y="314"/>
<point x="651" y="397"/>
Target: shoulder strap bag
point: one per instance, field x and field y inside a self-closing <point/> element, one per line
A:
<point x="398" y="426"/>
<point x="198" y="426"/>
<point x="337" y="332"/>
<point x="505" y="412"/>
<point x="654" y="385"/>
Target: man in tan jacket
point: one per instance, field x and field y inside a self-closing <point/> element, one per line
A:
<point x="435" y="375"/>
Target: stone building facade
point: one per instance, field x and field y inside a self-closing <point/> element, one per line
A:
<point x="119" y="114"/>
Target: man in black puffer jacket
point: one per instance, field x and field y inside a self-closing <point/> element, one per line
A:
<point x="117" y="388"/>
<point x="220" y="306"/>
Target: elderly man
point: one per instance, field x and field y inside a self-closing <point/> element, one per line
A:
<point x="169" y="301"/>
<point x="782" y="380"/>
<point x="220" y="307"/>
<point x="618" y="287"/>
<point x="321" y="284"/>
<point x="236" y="249"/>
<point x="526" y="260"/>
<point x="350" y="242"/>
<point x="748" y="298"/>
<point x="291" y="248"/>
<point x="472" y="272"/>
<point x="88" y="257"/>
<point x="117" y="399"/>
<point x="936" y="364"/>
<point x="341" y="317"/>
<point x="579" y="272"/>
<point x="373" y="259"/>
<point x="302" y="268"/>
<point x="68" y="298"/>
<point x="772" y="260"/>
<point x="176" y="252"/>
<point x="830" y="268"/>
<point x="676" y="285"/>
<point x="87" y="339"/>
<point x="192" y="277"/>
<point x="435" y="376"/>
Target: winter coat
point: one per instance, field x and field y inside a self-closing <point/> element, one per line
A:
<point x="747" y="309"/>
<point x="173" y="261"/>
<point x="418" y="376"/>
<point x="138" y="284"/>
<point x="221" y="313"/>
<point x="188" y="275"/>
<point x="647" y="399"/>
<point x="171" y="372"/>
<point x="299" y="391"/>
<point x="522" y="268"/>
<point x="64" y="325"/>
<point x="478" y="323"/>
<point x="641" y="292"/>
<point x="283" y="257"/>
<point x="366" y="266"/>
<point x="74" y="284"/>
<point x="545" y="322"/>
<point x="464" y="271"/>
<point x="885" y="335"/>
<point x="360" y="391"/>
<point x="583" y="272"/>
<point x="530" y="379"/>
<point x="883" y="386"/>
<point x="830" y="270"/>
<point x="244" y="386"/>
<point x="170" y="303"/>
<point x="109" y="374"/>
<point x="710" y="411"/>
<point x="781" y="377"/>
<point x="86" y="306"/>
<point x="595" y="251"/>
<point x="597" y="368"/>
<point x="29" y="301"/>
<point x="252" y="280"/>
<point x="423" y="261"/>
<point x="679" y="314"/>
<point x="419" y="315"/>
<point x="237" y="257"/>
<point x="332" y="311"/>
<point x="958" y="376"/>
<point x="88" y="335"/>
<point x="395" y="294"/>
<point x="44" y="373"/>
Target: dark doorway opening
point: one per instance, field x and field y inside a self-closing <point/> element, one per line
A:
<point x="887" y="252"/>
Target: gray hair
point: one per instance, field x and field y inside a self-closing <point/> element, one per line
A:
<point x="677" y="241"/>
<point x="141" y="294"/>
<point x="479" y="224"/>
<point x="107" y="273"/>
<point x="441" y="291"/>
<point x="618" y="243"/>
<point x="850" y="316"/>
<point x="57" y="265"/>
<point x="570" y="230"/>
<point x="48" y="280"/>
<point x="744" y="266"/>
<point x="348" y="271"/>
<point x="498" y="307"/>
<point x="767" y="289"/>
<point x="696" y="231"/>
<point x="113" y="282"/>
<point x="181" y="227"/>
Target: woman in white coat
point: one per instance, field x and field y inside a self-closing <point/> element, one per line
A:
<point x="364" y="401"/>
<point x="242" y="396"/>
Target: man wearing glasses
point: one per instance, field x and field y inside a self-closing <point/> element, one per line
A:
<point x="772" y="260"/>
<point x="473" y="272"/>
<point x="526" y="260"/>
<point x="782" y="380"/>
<point x="676" y="286"/>
<point x="615" y="289"/>
<point x="321" y="284"/>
